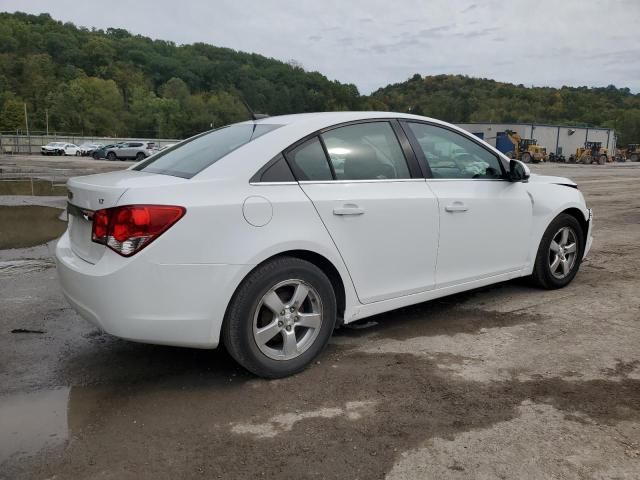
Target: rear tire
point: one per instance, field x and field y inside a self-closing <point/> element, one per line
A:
<point x="95" y="156"/>
<point x="256" y="335"/>
<point x="549" y="272"/>
<point x="526" y="158"/>
<point x="634" y="157"/>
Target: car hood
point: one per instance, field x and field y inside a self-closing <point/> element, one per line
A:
<point x="535" y="178"/>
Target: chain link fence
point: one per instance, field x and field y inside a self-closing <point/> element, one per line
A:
<point x="12" y="143"/>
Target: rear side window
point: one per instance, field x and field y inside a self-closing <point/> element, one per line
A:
<point x="278" y="171"/>
<point x="194" y="155"/>
<point x="366" y="151"/>
<point x="309" y="161"/>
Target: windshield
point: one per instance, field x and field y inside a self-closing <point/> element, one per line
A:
<point x="190" y="157"/>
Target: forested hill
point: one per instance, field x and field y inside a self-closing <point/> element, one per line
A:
<point x="457" y="98"/>
<point x="111" y="82"/>
<point x="115" y="83"/>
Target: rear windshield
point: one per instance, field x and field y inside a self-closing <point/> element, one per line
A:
<point x="197" y="153"/>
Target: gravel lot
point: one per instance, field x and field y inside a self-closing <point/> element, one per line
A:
<point x="502" y="382"/>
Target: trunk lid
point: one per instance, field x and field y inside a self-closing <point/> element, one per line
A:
<point x="95" y="192"/>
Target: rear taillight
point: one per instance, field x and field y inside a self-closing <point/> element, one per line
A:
<point x="127" y="230"/>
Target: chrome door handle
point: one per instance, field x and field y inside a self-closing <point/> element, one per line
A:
<point x="456" y="207"/>
<point x="348" y="210"/>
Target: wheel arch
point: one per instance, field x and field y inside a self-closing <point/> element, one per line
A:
<point x="579" y="216"/>
<point x="320" y="261"/>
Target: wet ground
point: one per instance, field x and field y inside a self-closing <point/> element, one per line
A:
<point x="29" y="225"/>
<point x="502" y="382"/>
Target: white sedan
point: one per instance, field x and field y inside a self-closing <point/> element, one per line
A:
<point x="266" y="235"/>
<point x="60" y="148"/>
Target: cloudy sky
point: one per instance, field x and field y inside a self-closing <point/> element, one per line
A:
<point x="376" y="42"/>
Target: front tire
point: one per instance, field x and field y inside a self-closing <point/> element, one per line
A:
<point x="111" y="156"/>
<point x="559" y="254"/>
<point x="140" y="156"/>
<point x="280" y="318"/>
<point x="526" y="158"/>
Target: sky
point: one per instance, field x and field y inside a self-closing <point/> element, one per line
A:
<point x="373" y="43"/>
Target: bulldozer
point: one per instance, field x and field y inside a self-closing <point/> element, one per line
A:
<point x="590" y="153"/>
<point x="526" y="149"/>
<point x="633" y="152"/>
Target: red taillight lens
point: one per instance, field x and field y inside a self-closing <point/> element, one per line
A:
<point x="127" y="230"/>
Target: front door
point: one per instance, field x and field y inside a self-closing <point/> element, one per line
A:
<point x="383" y="222"/>
<point x="485" y="220"/>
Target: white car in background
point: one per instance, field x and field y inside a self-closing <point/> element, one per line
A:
<point x="60" y="148"/>
<point x="266" y="235"/>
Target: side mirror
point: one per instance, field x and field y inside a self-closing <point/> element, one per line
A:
<point x="518" y="171"/>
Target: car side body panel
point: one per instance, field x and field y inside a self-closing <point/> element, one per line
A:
<point x="176" y="290"/>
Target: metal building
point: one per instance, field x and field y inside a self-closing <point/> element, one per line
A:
<point x="561" y="139"/>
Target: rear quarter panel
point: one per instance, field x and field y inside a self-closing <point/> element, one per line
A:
<point x="214" y="230"/>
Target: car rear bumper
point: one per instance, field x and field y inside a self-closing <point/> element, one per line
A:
<point x="136" y="299"/>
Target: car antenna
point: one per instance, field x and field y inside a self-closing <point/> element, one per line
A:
<point x="254" y="116"/>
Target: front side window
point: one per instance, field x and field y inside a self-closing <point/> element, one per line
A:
<point x="366" y="151"/>
<point x="194" y="155"/>
<point x="451" y="155"/>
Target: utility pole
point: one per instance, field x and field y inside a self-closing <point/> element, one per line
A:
<point x="26" y="119"/>
<point x="46" y="114"/>
<point x="26" y="124"/>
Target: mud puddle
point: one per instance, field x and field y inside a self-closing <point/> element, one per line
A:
<point x="32" y="421"/>
<point x="326" y="421"/>
<point x="29" y="225"/>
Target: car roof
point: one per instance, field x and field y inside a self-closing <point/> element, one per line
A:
<point x="246" y="160"/>
<point x="331" y="118"/>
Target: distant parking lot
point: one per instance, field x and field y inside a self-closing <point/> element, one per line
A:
<point x="502" y="382"/>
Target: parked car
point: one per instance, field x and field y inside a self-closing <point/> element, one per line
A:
<point x="131" y="151"/>
<point x="60" y="148"/>
<point x="88" y="148"/>
<point x="99" y="153"/>
<point x="266" y="235"/>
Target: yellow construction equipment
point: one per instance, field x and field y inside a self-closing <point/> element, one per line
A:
<point x="526" y="149"/>
<point x="592" y="152"/>
<point x="633" y="152"/>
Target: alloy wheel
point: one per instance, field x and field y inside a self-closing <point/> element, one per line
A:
<point x="563" y="252"/>
<point x="287" y="320"/>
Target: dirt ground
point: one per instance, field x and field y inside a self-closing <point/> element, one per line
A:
<point x="502" y="382"/>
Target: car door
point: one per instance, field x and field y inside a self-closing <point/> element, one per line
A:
<point x="485" y="219"/>
<point x="374" y="204"/>
<point x="124" y="150"/>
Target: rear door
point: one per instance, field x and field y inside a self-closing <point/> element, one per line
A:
<point x="485" y="220"/>
<point x="370" y="194"/>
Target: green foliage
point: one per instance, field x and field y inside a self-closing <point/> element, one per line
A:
<point x="114" y="83"/>
<point x="457" y="98"/>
